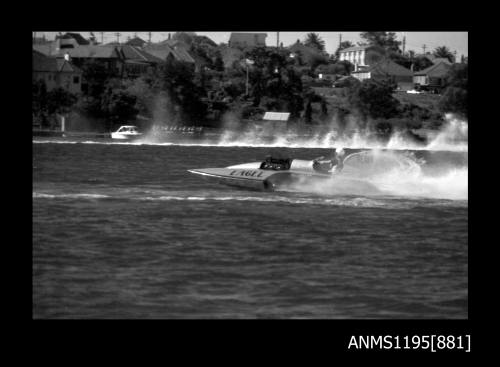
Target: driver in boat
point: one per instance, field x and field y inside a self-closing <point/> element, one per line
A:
<point x="333" y="165"/>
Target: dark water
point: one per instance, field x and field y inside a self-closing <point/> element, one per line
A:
<point x="123" y="231"/>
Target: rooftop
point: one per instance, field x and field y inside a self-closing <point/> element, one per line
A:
<point x="97" y="51"/>
<point x="355" y="48"/>
<point x="90" y="51"/>
<point x="441" y="59"/>
<point x="276" y="116"/>
<point x="388" y="67"/>
<point x="42" y="63"/>
<point x="136" y="41"/>
<point x="162" y="51"/>
<point x="441" y="68"/>
<point x="138" y="54"/>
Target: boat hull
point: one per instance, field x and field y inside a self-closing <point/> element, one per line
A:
<point x="120" y="136"/>
<point x="256" y="179"/>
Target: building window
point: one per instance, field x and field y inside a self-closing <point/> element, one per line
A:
<point x="76" y="80"/>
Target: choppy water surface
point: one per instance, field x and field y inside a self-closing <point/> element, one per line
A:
<point x="124" y="231"/>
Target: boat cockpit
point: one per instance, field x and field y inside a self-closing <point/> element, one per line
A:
<point x="276" y="164"/>
<point x="127" y="129"/>
<point x="319" y="165"/>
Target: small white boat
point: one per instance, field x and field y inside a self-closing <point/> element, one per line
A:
<point x="126" y="132"/>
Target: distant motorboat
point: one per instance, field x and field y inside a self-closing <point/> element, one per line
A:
<point x="126" y="132"/>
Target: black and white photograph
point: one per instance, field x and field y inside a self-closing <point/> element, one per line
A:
<point x="250" y="174"/>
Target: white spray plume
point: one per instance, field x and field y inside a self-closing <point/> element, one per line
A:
<point x="390" y="173"/>
<point x="451" y="137"/>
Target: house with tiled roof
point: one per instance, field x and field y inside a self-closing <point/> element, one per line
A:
<point x="434" y="76"/>
<point x="81" y="51"/>
<point x="136" y="42"/>
<point x="244" y="40"/>
<point x="174" y="43"/>
<point x="56" y="72"/>
<point x="437" y="60"/>
<point x="387" y="69"/>
<point x="163" y="51"/>
<point x="108" y="56"/>
<point x="136" y="53"/>
<point x="137" y="61"/>
<point x="434" y="59"/>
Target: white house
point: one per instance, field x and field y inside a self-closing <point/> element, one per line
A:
<point x="356" y="55"/>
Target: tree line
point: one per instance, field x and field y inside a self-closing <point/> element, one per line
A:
<point x="261" y="79"/>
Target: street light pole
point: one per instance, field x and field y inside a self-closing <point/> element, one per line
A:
<point x="248" y="62"/>
<point x="247" y="80"/>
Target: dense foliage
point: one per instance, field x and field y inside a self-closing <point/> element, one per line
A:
<point x="185" y="94"/>
<point x="385" y="40"/>
<point x="315" y="41"/>
<point x="454" y="98"/>
<point x="47" y="104"/>
<point x="444" y="52"/>
<point x="373" y="99"/>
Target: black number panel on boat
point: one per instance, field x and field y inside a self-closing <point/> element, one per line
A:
<point x="246" y="173"/>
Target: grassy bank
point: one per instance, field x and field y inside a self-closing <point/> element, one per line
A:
<point x="424" y="100"/>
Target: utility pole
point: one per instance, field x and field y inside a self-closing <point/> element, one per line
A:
<point x="277" y="39"/>
<point x="404" y="44"/>
<point x="118" y="34"/>
<point x="248" y="62"/>
<point x="149" y="34"/>
<point x="246" y="92"/>
<point x="102" y="38"/>
<point x="424" y="47"/>
<point x="340" y="39"/>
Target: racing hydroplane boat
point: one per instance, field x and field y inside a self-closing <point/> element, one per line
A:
<point x="272" y="173"/>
